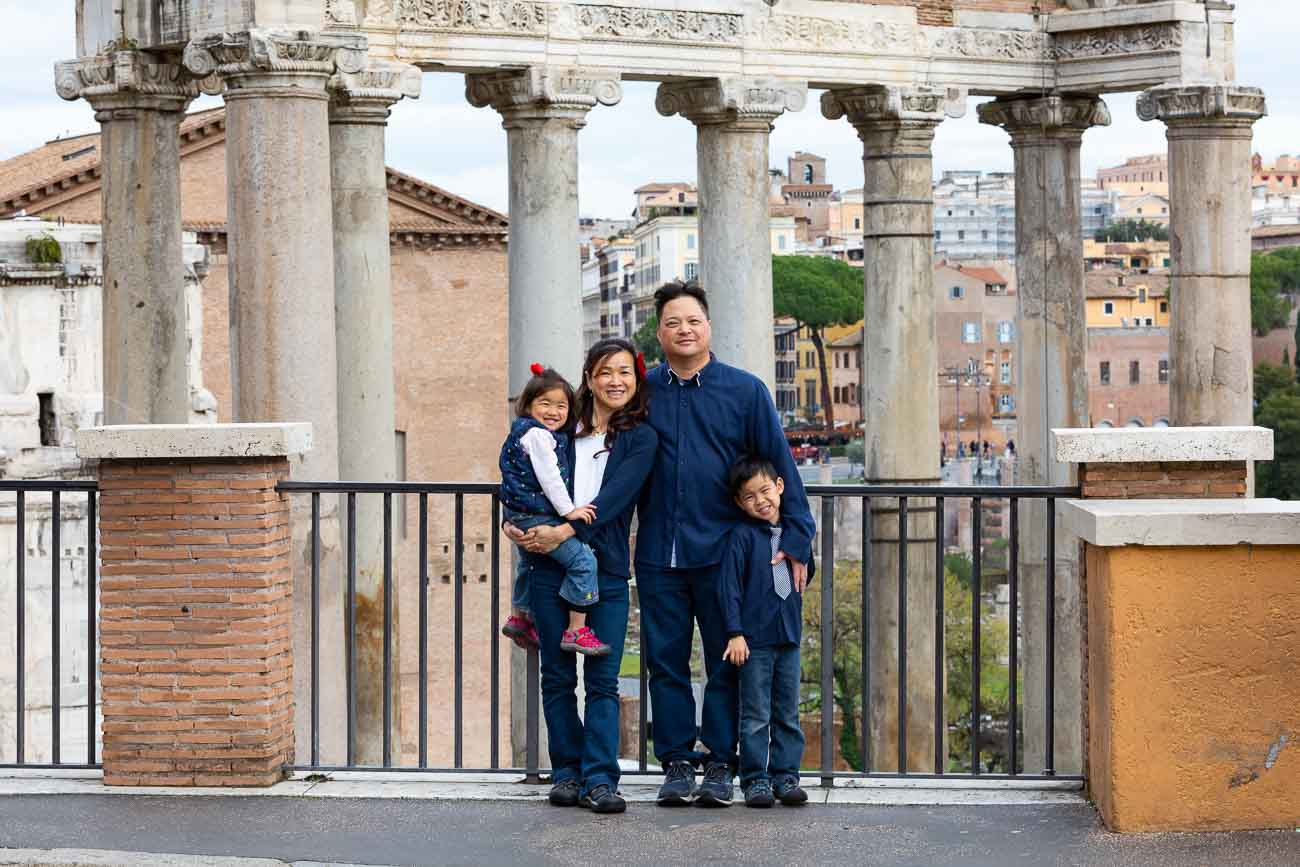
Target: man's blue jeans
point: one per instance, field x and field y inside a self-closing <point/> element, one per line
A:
<point x="585" y="749"/>
<point x="771" y="742"/>
<point x="580" y="587"/>
<point x="672" y="601"/>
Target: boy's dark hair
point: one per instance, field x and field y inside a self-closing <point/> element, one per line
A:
<point x="539" y="385"/>
<point x="677" y="289"/>
<point x="747" y="467"/>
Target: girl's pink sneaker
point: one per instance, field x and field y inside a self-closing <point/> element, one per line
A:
<point x="583" y="641"/>
<point x="521" y="632"/>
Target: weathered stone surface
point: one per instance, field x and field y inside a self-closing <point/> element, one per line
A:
<point x="1135" y="445"/>
<point x="180" y="441"/>
<point x="1181" y="523"/>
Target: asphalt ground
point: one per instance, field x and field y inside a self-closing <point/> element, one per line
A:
<point x="451" y="833"/>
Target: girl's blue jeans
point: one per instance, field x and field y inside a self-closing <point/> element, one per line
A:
<point x="580" y="587"/>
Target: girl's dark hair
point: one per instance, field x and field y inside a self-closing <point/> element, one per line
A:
<point x="539" y="385"/>
<point x="634" y="411"/>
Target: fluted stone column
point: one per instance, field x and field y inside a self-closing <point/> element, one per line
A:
<point x="282" y="340"/>
<point x="363" y="310"/>
<point x="900" y="398"/>
<point x="1046" y="135"/>
<point x="733" y="119"/>
<point x="542" y="109"/>
<point x="1209" y="132"/>
<point x="139" y="102"/>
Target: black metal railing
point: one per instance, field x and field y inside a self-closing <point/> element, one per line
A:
<point x="56" y="491"/>
<point x="905" y="496"/>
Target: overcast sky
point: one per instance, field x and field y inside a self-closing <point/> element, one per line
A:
<point x="444" y="140"/>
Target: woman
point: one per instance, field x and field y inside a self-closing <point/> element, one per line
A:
<point x="612" y="454"/>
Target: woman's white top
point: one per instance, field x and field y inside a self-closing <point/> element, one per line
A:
<point x="590" y="457"/>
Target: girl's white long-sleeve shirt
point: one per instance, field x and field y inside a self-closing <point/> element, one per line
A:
<point x="539" y="444"/>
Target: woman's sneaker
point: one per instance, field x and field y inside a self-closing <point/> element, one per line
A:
<point x="583" y="641"/>
<point x="521" y="632"/>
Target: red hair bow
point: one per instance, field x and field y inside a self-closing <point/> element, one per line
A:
<point x="537" y="369"/>
<point x="640" y="364"/>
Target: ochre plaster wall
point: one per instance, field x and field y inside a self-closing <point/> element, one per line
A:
<point x="1194" y="687"/>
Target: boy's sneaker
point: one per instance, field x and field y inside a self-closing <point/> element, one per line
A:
<point x="565" y="793"/>
<point x="583" y="641"/>
<point x="679" y="785"/>
<point x="788" y="792"/>
<point x="521" y="632"/>
<point x="602" y="799"/>
<point x="759" y="794"/>
<point x="716" y="789"/>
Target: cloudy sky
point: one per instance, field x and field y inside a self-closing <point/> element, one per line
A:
<point x="442" y="139"/>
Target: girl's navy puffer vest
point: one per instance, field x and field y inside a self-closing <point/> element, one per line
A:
<point x="520" y="490"/>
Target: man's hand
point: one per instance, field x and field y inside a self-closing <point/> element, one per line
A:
<point x="513" y="533"/>
<point x="582" y="513"/>
<point x="737" y="651"/>
<point x="798" y="571"/>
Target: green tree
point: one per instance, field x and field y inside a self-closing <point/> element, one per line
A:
<point x="817" y="291"/>
<point x="1270" y="378"/>
<point x="646" y="340"/>
<point x="1272" y="274"/>
<point x="1131" y="231"/>
<point x="1280" y="477"/>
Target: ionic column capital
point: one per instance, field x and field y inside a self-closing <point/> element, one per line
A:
<point x="1028" y="119"/>
<point x="1227" y="105"/>
<point x="541" y="93"/>
<point x="739" y="103"/>
<point x="367" y="96"/>
<point x="295" y="62"/>
<point x="125" y="81"/>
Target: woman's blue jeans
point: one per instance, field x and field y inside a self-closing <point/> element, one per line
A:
<point x="584" y="749"/>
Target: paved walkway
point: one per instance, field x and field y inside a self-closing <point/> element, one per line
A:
<point x="1058" y="829"/>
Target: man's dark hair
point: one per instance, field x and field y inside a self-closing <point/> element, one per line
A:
<point x="677" y="289"/>
<point x="539" y="385"/>
<point x="747" y="467"/>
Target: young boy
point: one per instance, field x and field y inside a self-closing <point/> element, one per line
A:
<point x="762" y="612"/>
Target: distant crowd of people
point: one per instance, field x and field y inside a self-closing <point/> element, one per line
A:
<point x="975" y="450"/>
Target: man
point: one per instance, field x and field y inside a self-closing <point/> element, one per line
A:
<point x="706" y="414"/>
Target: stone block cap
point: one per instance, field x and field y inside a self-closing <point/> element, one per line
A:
<point x="201" y="441"/>
<point x="1126" y="445"/>
<point x="1183" y="523"/>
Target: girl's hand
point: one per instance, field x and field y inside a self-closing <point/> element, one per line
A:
<point x="582" y="513"/>
<point x="737" y="652"/>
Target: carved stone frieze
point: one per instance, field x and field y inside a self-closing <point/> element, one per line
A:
<point x="877" y="104"/>
<point x="659" y="25"/>
<point x="1117" y="42"/>
<point x="380" y="13"/>
<point x="757" y="101"/>
<point x="809" y="33"/>
<point x="257" y="57"/>
<point x="340" y="13"/>
<point x="474" y="16"/>
<point x="1214" y="102"/>
<point x="128" y="78"/>
<point x="984" y="43"/>
<point x="1045" y="114"/>
<point x="543" y="92"/>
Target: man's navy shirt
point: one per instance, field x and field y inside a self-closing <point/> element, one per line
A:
<point x="704" y="424"/>
<point x="747" y="589"/>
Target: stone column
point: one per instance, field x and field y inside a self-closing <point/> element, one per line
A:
<point x="1046" y="135"/>
<point x="1209" y="131"/>
<point x="282" y="341"/>
<point x="542" y="109"/>
<point x="733" y="118"/>
<point x="363" y="308"/>
<point x="900" y="397"/>
<point x="139" y="102"/>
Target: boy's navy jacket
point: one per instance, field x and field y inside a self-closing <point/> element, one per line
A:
<point x="704" y="425"/>
<point x="520" y="490"/>
<point x="629" y="463"/>
<point x="747" y="591"/>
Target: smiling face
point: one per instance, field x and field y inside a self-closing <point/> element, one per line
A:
<point x="684" y="331"/>
<point x="612" y="381"/>
<point x="760" y="498"/>
<point x="551" y="408"/>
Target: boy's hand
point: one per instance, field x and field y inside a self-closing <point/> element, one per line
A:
<point x="582" y="513"/>
<point x="737" y="651"/>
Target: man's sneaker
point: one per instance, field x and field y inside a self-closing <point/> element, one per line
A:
<point x="583" y="641"/>
<point x="602" y="799"/>
<point x="788" y="792"/>
<point x="716" y="789"/>
<point x="521" y="632"/>
<point x="759" y="794"/>
<point x="565" y="793"/>
<point x="679" y="785"/>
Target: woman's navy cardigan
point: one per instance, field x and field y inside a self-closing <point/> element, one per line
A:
<point x="626" y="471"/>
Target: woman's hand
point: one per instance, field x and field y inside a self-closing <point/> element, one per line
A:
<point x="545" y="539"/>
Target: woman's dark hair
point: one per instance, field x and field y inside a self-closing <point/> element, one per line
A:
<point x="678" y="289"/>
<point x="540" y="384"/>
<point x="634" y="411"/>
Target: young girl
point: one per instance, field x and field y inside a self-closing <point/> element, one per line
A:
<point x="534" y="491"/>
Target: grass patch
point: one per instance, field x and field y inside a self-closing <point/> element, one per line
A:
<point x="631" y="666"/>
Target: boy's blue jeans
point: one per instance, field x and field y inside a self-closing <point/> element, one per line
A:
<point x="771" y="742"/>
<point x="579" y="588"/>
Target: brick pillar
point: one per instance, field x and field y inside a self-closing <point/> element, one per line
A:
<point x="196" y="602"/>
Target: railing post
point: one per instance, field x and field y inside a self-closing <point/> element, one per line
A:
<point x="826" y="641"/>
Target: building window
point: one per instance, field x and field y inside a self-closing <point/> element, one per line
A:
<point x="956" y="292"/>
<point x="780" y="242"/>
<point x="1005" y="373"/>
<point x="692" y="270"/>
<point x="857" y="222"/>
<point x="1134" y="373"/>
<point x="1006" y="403"/>
<point x="1006" y="331"/>
<point x="938" y="236"/>
<point x="690" y="240"/>
<point x="1142" y="292"/>
<point x="810" y="393"/>
<point x="1105" y="373"/>
<point x="961" y="234"/>
<point x="807" y="173"/>
<point x="1164" y="371"/>
<point x="46" y="420"/>
<point x="1108" y="308"/>
<point x="970" y="332"/>
<point x="1164" y="306"/>
<point x="1149" y="322"/>
<point x="984" y="234"/>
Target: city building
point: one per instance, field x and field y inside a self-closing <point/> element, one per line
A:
<point x="786" y="334"/>
<point x="1128" y="377"/>
<point x="1143" y="207"/>
<point x="616" y="264"/>
<point x="1283" y="174"/>
<point x="1148" y="173"/>
<point x="1126" y="299"/>
<point x="804" y="188"/>
<point x="676" y="198"/>
<point x="1134" y="256"/>
<point x="591" y="304"/>
<point x="1274" y="207"/>
<point x="844" y="355"/>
